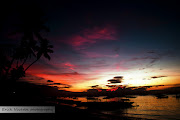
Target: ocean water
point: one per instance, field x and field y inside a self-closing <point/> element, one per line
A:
<point x="153" y="108"/>
<point x="144" y="107"/>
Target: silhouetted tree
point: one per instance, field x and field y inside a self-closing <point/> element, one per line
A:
<point x="4" y="62"/>
<point x="44" y="49"/>
<point x="32" y="44"/>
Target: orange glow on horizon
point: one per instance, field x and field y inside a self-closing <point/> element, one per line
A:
<point x="131" y="78"/>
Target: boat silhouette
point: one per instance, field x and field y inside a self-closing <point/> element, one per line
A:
<point x="161" y="96"/>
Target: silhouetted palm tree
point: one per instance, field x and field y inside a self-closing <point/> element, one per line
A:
<point x="32" y="43"/>
<point x="4" y="63"/>
<point x="44" y="49"/>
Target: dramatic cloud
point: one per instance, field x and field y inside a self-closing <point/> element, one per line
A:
<point x="151" y="57"/>
<point x="90" y="36"/>
<point x="62" y="67"/>
<point x="114" y="81"/>
<point x="94" y="86"/>
<point x="49" y="81"/>
<point x="111" y="86"/>
<point x="66" y="86"/>
<point x="117" y="79"/>
<point x="67" y="74"/>
<point x="69" y="66"/>
<point x="65" y="78"/>
<point x="90" y="54"/>
<point x="57" y="83"/>
<point x="30" y="78"/>
<point x="154" y="77"/>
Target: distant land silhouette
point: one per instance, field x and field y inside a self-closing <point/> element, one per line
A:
<point x="30" y="89"/>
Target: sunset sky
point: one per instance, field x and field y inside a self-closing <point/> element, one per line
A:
<point x="96" y="41"/>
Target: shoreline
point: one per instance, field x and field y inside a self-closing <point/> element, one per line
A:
<point x="66" y="112"/>
<point x="94" y="114"/>
<point x="33" y="95"/>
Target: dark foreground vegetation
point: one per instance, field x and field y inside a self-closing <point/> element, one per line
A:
<point x="27" y="94"/>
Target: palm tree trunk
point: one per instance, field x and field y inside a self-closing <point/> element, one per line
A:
<point x="17" y="64"/>
<point x="24" y="61"/>
<point x="7" y="70"/>
<point x="38" y="36"/>
<point x="31" y="64"/>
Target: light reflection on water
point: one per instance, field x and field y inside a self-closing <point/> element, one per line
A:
<point x="153" y="108"/>
<point x="96" y="99"/>
<point x="146" y="107"/>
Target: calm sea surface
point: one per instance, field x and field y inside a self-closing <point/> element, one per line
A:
<point x="146" y="107"/>
<point x="153" y="108"/>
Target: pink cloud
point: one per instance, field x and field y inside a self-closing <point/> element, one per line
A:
<point x="106" y="33"/>
<point x="66" y="66"/>
<point x="78" y="41"/>
<point x="65" y="78"/>
<point x="120" y="66"/>
<point x="53" y="68"/>
<point x="69" y="65"/>
<point x="91" y="36"/>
